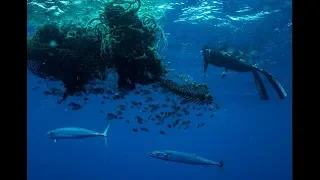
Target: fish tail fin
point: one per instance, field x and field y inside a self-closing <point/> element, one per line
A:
<point x="105" y="135"/>
<point x="260" y="86"/>
<point x="275" y="83"/>
<point x="220" y="165"/>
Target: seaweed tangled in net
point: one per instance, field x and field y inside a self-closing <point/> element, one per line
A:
<point x="117" y="39"/>
<point x="67" y="53"/>
<point x="129" y="44"/>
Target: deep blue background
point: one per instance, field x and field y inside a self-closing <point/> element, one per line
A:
<point x="253" y="137"/>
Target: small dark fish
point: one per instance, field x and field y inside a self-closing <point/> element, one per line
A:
<point x="72" y="104"/>
<point x="135" y="130"/>
<point x="211" y="116"/>
<point x="35" y="87"/>
<point x="162" y="132"/>
<point x="139" y="119"/>
<point x="104" y="97"/>
<point x="117" y="96"/>
<point x="75" y="133"/>
<point x="179" y="115"/>
<point x="149" y="99"/>
<point x="185" y="124"/>
<point x="154" y="107"/>
<point x="211" y="108"/>
<point x="136" y="103"/>
<point x="200" y="125"/>
<point x="127" y="121"/>
<point x="75" y="106"/>
<point x="164" y="105"/>
<point x="137" y="92"/>
<point x="175" y="123"/>
<point x="111" y="116"/>
<point x="47" y="93"/>
<point x="121" y="107"/>
<point x="160" y="122"/>
<point x="144" y="129"/>
<point x="102" y="102"/>
<point x="199" y="114"/>
<point x="86" y="99"/>
<point x="169" y="125"/>
<point x="56" y="91"/>
<point x="175" y="108"/>
<point x="101" y="111"/>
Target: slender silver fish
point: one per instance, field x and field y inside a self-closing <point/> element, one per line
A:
<point x="185" y="158"/>
<point x="75" y="133"/>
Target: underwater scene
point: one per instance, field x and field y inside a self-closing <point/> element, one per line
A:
<point x="159" y="89"/>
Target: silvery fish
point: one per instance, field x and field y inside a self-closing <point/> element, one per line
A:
<point x="75" y="133"/>
<point x="185" y="158"/>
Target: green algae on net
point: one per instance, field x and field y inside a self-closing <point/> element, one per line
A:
<point x="116" y="39"/>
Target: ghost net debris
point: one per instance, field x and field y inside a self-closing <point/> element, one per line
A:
<point x="118" y="39"/>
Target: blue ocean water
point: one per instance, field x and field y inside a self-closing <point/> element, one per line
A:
<point x="253" y="137"/>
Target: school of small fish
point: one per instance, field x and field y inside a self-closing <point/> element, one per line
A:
<point x="170" y="113"/>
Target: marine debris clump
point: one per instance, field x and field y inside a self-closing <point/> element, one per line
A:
<point x="117" y="39"/>
<point x="129" y="43"/>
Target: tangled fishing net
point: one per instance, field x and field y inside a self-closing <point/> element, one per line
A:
<point x="117" y="39"/>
